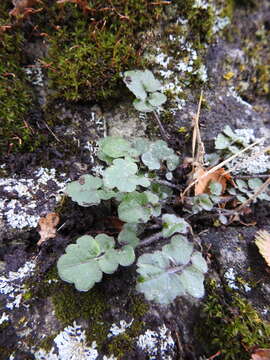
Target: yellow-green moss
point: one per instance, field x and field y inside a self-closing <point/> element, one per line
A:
<point x="230" y="324"/>
<point x="15" y="94"/>
<point x="88" y="52"/>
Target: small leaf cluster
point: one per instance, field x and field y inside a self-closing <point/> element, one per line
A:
<point x="207" y="201"/>
<point x="130" y="181"/>
<point x="229" y="141"/>
<point x="85" y="262"/>
<point x="176" y="270"/>
<point x="244" y="190"/>
<point x="123" y="179"/>
<point x="146" y="88"/>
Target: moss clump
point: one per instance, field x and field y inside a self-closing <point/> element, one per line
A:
<point x="88" y="52"/>
<point x="70" y="304"/>
<point x="230" y="325"/>
<point x="15" y="93"/>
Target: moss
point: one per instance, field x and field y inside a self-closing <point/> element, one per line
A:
<point x="123" y="344"/>
<point x="230" y="324"/>
<point x="15" y="94"/>
<point x="104" y="43"/>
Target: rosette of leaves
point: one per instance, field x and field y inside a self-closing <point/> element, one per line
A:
<point x="174" y="271"/>
<point x="88" y="191"/>
<point x="85" y="262"/>
<point x="146" y="88"/>
<point x="246" y="189"/>
<point x="152" y="154"/>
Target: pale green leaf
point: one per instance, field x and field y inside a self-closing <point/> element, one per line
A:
<point x="173" y="224"/>
<point x="156" y="99"/>
<point x="84" y="190"/>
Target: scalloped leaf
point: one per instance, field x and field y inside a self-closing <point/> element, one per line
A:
<point x="198" y="262"/>
<point x="122" y="175"/>
<point x="133" y="80"/>
<point x="156" y="99"/>
<point x="126" y="255"/>
<point x="143" y="105"/>
<point x="114" y="146"/>
<point x="179" y="249"/>
<point x="78" y="265"/>
<point x="222" y="142"/>
<point x="192" y="281"/>
<point x="84" y="191"/>
<point x="128" y="235"/>
<point x="133" y="210"/>
<point x="158" y="152"/>
<point x="173" y="224"/>
<point x="166" y="274"/>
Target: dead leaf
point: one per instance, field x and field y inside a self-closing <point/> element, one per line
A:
<point x="262" y="240"/>
<point x="261" y="354"/>
<point x="48" y="227"/>
<point x="202" y="186"/>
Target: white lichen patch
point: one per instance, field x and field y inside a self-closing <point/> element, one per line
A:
<point x="255" y="161"/>
<point x="230" y="276"/>
<point x="24" y="200"/>
<point x="12" y="284"/>
<point x="71" y="344"/>
<point x="116" y="330"/>
<point x="155" y="343"/>
<point x="35" y="74"/>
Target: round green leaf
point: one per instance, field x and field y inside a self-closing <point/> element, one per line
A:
<point x="143" y="105"/>
<point x="114" y="146"/>
<point x="156" y="99"/>
<point x="173" y="224"/>
<point x="84" y="190"/>
<point x="192" y="281"/>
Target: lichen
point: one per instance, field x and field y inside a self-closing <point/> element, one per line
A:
<point x="230" y="324"/>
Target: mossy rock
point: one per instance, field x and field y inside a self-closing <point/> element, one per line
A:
<point x="231" y="325"/>
<point x="89" y="51"/>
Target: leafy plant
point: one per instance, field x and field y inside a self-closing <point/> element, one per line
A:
<point x="85" y="261"/>
<point x="146" y="88"/>
<point x="172" y="272"/>
<point x="131" y="181"/>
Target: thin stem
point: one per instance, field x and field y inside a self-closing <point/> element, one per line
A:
<point x="149" y="240"/>
<point x="167" y="183"/>
<point x="162" y="130"/>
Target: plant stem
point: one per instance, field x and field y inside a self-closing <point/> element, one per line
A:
<point x="162" y="130"/>
<point x="167" y="183"/>
<point x="149" y="240"/>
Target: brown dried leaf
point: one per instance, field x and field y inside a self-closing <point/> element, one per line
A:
<point x="48" y="227"/>
<point x="262" y="240"/>
<point x="261" y="354"/>
<point x="202" y="186"/>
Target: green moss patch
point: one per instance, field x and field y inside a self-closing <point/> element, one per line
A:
<point x="230" y="325"/>
<point x="89" y="51"/>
